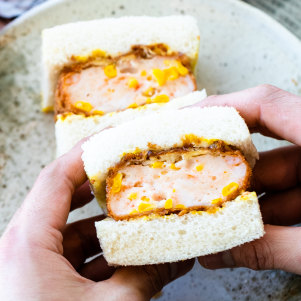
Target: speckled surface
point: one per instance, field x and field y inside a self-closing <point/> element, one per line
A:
<point x="240" y="48"/>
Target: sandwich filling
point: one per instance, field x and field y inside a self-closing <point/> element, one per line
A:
<point x="99" y="85"/>
<point x="176" y="181"/>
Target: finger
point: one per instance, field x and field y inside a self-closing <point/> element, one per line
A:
<point x="81" y="196"/>
<point x="266" y="109"/>
<point x="280" y="248"/>
<point x="97" y="269"/>
<point x="48" y="203"/>
<point x="146" y="281"/>
<point x="80" y="241"/>
<point x="278" y="169"/>
<point x="282" y="208"/>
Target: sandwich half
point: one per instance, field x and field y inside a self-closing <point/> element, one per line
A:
<point x="70" y="129"/>
<point x="174" y="185"/>
<point x="103" y="67"/>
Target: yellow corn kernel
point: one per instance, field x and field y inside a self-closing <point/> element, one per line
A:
<point x="97" y="112"/>
<point x="212" y="210"/>
<point x="200" y="167"/>
<point x="137" y="150"/>
<point x="47" y="109"/>
<point x="145" y="218"/>
<point x="132" y="196"/>
<point x="161" y="99"/>
<point x="133" y="83"/>
<point x="134" y="211"/>
<point x="216" y="201"/>
<point x="81" y="59"/>
<point x="143" y="73"/>
<point x="133" y="106"/>
<point x="193" y="139"/>
<point x="98" y="52"/>
<point x="173" y="166"/>
<point x="83" y="106"/>
<point x="145" y="198"/>
<point x="168" y="204"/>
<point x="117" y="183"/>
<point x="180" y="206"/>
<point x="157" y="164"/>
<point x="193" y="212"/>
<point x="173" y="190"/>
<point x="149" y="92"/>
<point x="160" y="76"/>
<point x="181" y="69"/>
<point x="229" y="189"/>
<point x="141" y="108"/>
<point x="171" y="73"/>
<point x="110" y="71"/>
<point x="145" y="207"/>
<point x="149" y="100"/>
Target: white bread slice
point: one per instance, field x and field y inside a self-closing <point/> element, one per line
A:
<point x="172" y="238"/>
<point x="115" y="36"/>
<point x="166" y="130"/>
<point x="71" y="129"/>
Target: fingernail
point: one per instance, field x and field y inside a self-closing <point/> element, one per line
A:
<point x="217" y="261"/>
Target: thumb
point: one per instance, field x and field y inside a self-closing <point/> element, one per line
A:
<point x="143" y="282"/>
<point x="280" y="248"/>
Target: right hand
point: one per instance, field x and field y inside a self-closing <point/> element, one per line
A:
<point x="275" y="113"/>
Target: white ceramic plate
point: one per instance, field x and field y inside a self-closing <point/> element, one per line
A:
<point x="240" y="47"/>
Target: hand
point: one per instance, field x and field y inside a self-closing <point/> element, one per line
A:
<point x="3" y="22"/>
<point x="43" y="259"/>
<point x="276" y="113"/>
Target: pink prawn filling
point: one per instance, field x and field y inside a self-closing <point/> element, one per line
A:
<point x="129" y="83"/>
<point x="202" y="181"/>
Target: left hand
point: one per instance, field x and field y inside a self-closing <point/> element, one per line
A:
<point x="43" y="259"/>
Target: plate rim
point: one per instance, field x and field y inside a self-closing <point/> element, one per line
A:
<point x="260" y="14"/>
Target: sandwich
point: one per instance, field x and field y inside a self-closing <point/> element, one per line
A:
<point x="174" y="185"/>
<point x="103" y="67"/>
<point x="72" y="128"/>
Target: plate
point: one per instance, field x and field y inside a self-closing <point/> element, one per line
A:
<point x="240" y="47"/>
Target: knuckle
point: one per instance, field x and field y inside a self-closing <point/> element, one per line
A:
<point x="52" y="169"/>
<point x="156" y="276"/>
<point x="48" y="170"/>
<point x="257" y="256"/>
<point x="266" y="87"/>
<point x="268" y="90"/>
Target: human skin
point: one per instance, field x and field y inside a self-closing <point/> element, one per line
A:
<point x="275" y="113"/>
<point x="3" y="23"/>
<point x="42" y="258"/>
